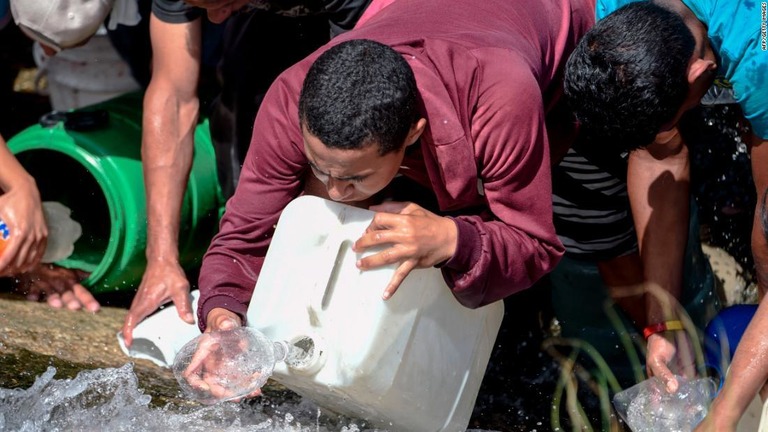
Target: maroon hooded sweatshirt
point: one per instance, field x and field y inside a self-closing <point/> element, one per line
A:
<point x="487" y="72"/>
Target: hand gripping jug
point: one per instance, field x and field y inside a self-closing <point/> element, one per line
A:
<point x="411" y="363"/>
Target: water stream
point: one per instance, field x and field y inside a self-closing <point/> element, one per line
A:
<point x="110" y="399"/>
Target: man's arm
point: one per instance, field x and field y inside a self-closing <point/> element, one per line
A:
<point x="273" y="174"/>
<point x="512" y="244"/>
<point x="170" y="117"/>
<point x="759" y="155"/>
<point x="658" y="180"/>
<point x="749" y="369"/>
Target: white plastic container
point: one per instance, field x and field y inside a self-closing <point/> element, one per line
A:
<point x="85" y="75"/>
<point x="412" y="363"/>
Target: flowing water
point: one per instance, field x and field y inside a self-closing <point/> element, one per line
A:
<point x="110" y="399"/>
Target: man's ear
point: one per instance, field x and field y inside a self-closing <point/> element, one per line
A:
<point x="416" y="130"/>
<point x="698" y="68"/>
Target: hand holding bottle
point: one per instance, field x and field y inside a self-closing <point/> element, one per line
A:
<point x="33" y="241"/>
<point x="23" y="231"/>
<point x="224" y="365"/>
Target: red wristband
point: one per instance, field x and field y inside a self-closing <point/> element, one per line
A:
<point x="662" y="327"/>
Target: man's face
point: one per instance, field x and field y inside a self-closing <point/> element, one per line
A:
<point x="696" y="92"/>
<point x="351" y="175"/>
<point x="219" y="10"/>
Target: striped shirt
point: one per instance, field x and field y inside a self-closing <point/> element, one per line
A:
<point x="591" y="206"/>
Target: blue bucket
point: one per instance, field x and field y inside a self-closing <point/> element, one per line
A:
<point x="722" y="336"/>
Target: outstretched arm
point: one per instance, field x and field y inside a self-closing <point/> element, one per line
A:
<point x="658" y="186"/>
<point x="170" y="117"/>
<point x="748" y="372"/>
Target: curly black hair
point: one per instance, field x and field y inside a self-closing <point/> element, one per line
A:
<point x="358" y="93"/>
<point x="627" y="77"/>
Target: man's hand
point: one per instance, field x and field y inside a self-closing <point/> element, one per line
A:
<point x="673" y="349"/>
<point x="167" y="146"/>
<point x="216" y="370"/>
<point x="163" y="281"/>
<point x="416" y="238"/>
<point x="58" y="286"/>
<point x="22" y="212"/>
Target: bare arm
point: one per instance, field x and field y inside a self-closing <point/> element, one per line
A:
<point x="658" y="186"/>
<point x="170" y="117"/>
<point x="749" y="370"/>
<point x="759" y="156"/>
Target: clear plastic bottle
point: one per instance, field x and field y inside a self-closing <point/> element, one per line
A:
<point x="648" y="407"/>
<point x="230" y="364"/>
<point x="63" y="232"/>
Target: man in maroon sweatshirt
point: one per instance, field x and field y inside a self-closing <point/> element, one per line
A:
<point x="452" y="96"/>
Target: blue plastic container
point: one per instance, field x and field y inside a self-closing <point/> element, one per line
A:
<point x="722" y="336"/>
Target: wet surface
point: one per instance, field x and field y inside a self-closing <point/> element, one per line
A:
<point x="34" y="336"/>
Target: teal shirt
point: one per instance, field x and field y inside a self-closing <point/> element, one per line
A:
<point x="737" y="32"/>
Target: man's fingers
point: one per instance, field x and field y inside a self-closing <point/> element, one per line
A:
<point x="184" y="307"/>
<point x="132" y="318"/>
<point x="85" y="298"/>
<point x="228" y="324"/>
<point x="390" y="255"/>
<point x="68" y="298"/>
<point x="402" y="271"/>
<point x="219" y="392"/>
<point x="658" y="369"/>
<point x="373" y="238"/>
<point x="23" y="256"/>
<point x="205" y="347"/>
<point x="54" y="300"/>
<point x="39" y="252"/>
<point x="141" y="307"/>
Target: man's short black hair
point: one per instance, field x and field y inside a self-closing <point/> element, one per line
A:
<point x="627" y="77"/>
<point x="357" y="93"/>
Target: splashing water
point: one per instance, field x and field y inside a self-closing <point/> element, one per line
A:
<point x="109" y="399"/>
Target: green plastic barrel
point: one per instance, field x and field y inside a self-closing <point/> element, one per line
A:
<point x="98" y="174"/>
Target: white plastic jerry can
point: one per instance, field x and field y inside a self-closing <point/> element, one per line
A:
<point x="411" y="363"/>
